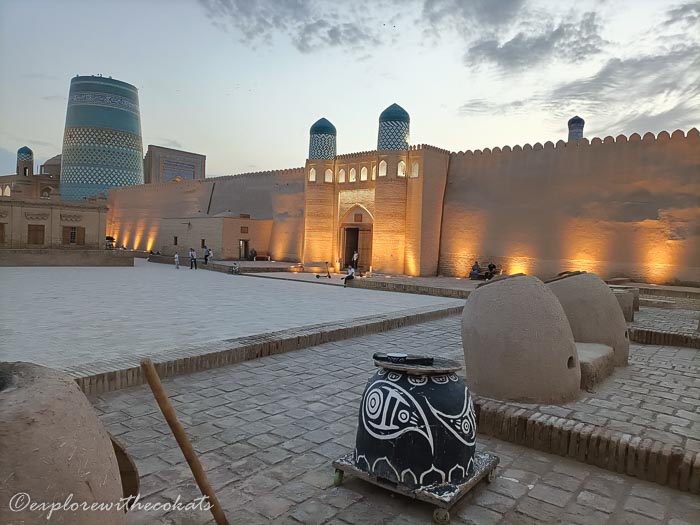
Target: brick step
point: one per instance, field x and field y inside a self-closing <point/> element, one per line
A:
<point x="643" y="458"/>
<point x="657" y="303"/>
<point x="106" y="376"/>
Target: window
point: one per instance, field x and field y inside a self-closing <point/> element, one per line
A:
<point x="363" y="174"/>
<point x="204" y="243"/>
<point x="26" y="173"/>
<point x="35" y="234"/>
<point x="244" y="229"/>
<point x="382" y="168"/>
<point x="2" y="233"/>
<point x="358" y="217"/>
<point x="414" y="170"/>
<point x="175" y="241"/>
<point x="312" y="175"/>
<point x="374" y="172"/>
<point x="341" y="176"/>
<point x="353" y="174"/>
<point x="74" y="235"/>
<point x="329" y="176"/>
<point x="401" y="169"/>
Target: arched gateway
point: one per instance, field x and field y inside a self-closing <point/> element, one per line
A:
<point x="355" y="233"/>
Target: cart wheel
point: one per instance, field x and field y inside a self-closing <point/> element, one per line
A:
<point x="338" y="478"/>
<point x="329" y="276"/>
<point x="491" y="476"/>
<point x="441" y="516"/>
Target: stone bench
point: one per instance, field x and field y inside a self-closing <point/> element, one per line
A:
<point x="626" y="301"/>
<point x="633" y="289"/>
<point x="597" y="362"/>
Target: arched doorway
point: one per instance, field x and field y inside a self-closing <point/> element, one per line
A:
<point x="356" y="234"/>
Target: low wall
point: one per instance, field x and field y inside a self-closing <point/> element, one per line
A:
<point x="48" y="257"/>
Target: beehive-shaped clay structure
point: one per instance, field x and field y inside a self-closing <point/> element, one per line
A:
<point x="517" y="342"/>
<point x="53" y="445"/>
<point x="594" y="314"/>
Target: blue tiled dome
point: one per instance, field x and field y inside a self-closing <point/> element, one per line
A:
<point x="322" y="127"/>
<point x="576" y="120"/>
<point x="24" y="150"/>
<point x="394" y="113"/>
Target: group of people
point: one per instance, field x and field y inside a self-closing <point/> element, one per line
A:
<point x="476" y="271"/>
<point x="208" y="254"/>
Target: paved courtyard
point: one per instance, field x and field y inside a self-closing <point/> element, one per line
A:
<point x="267" y="431"/>
<point x="151" y="308"/>
<point x="668" y="320"/>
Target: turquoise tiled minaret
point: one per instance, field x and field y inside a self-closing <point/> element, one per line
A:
<point x="576" y="128"/>
<point x="322" y="144"/>
<point x="25" y="161"/>
<point x="102" y="145"/>
<point x="394" y="124"/>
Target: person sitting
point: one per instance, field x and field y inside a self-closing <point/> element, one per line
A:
<point x="474" y="274"/>
<point x="349" y="277"/>
<point x="491" y="271"/>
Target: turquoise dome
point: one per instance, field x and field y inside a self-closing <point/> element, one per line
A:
<point x="322" y="127"/>
<point x="394" y="113"/>
<point x="25" y="150"/>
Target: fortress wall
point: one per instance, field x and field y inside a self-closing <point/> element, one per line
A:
<point x="433" y="177"/>
<point x="616" y="207"/>
<point x="135" y="212"/>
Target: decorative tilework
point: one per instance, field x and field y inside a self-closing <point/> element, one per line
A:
<point x="322" y="146"/>
<point x="106" y="100"/>
<point x="393" y="136"/>
<point x="25" y="157"/>
<point x="95" y="160"/>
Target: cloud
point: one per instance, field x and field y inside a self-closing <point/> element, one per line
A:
<point x="469" y="15"/>
<point x="171" y="143"/>
<point x="481" y="106"/>
<point x="566" y="41"/>
<point x="686" y="15"/>
<point x="310" y="25"/>
<point x="636" y="94"/>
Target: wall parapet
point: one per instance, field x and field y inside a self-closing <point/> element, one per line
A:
<point x="648" y="137"/>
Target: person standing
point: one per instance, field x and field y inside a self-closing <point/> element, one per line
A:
<point x="177" y="261"/>
<point x="193" y="259"/>
<point x="211" y="254"/>
<point x="206" y="255"/>
<point x="355" y="259"/>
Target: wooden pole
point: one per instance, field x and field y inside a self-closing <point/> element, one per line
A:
<point x="179" y="432"/>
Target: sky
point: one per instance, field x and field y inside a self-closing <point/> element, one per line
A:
<point x="241" y="81"/>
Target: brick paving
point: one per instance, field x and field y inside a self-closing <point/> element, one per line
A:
<point x="667" y="320"/>
<point x="151" y="308"/>
<point x="267" y="430"/>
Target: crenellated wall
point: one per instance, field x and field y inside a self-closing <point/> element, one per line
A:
<point x="615" y="206"/>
